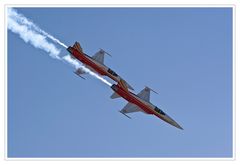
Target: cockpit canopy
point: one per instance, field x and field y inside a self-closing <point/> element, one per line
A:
<point x="159" y="110"/>
<point x="112" y="72"/>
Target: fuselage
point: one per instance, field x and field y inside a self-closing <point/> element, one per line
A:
<point x="144" y="105"/>
<point x="93" y="65"/>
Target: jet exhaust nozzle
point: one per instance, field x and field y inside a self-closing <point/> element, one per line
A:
<point x="69" y="49"/>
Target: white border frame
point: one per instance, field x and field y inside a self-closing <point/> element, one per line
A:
<point x="128" y="5"/>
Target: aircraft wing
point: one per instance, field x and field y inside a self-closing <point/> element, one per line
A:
<point x="144" y="94"/>
<point x="129" y="108"/>
<point x="99" y="57"/>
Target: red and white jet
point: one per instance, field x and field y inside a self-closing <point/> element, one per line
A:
<point x="140" y="103"/>
<point x="94" y="63"/>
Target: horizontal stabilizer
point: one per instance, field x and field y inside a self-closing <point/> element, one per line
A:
<point x="129" y="86"/>
<point x="123" y="84"/>
<point x="115" y="95"/>
<point x="126" y="83"/>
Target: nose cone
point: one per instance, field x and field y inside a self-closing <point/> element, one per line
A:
<point x="177" y="125"/>
<point x="169" y="120"/>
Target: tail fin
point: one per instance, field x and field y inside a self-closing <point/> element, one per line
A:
<point x="77" y="46"/>
<point x="122" y="83"/>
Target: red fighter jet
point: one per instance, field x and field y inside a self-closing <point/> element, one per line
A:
<point x="140" y="103"/>
<point x="94" y="63"/>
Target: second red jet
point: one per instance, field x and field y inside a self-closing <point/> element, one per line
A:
<point x="140" y="103"/>
<point x="94" y="63"/>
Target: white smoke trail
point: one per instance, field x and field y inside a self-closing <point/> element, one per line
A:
<point x="34" y="35"/>
<point x="77" y="65"/>
<point x="24" y="21"/>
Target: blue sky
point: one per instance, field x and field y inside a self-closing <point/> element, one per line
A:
<point x="183" y="53"/>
